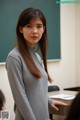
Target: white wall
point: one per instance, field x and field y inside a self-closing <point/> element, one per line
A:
<point x="77" y="41"/>
<point x="64" y="71"/>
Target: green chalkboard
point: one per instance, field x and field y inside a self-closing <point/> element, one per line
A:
<point x="9" y="12"/>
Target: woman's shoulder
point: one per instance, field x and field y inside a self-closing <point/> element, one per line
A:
<point x="14" y="53"/>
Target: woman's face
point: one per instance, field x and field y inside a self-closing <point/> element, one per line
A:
<point x="33" y="31"/>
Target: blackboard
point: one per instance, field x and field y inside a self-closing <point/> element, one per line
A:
<point x="9" y="13"/>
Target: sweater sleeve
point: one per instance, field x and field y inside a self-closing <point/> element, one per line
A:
<point x="14" y="71"/>
<point x="50" y="101"/>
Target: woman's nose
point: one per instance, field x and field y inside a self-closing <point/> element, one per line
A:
<point x="34" y="30"/>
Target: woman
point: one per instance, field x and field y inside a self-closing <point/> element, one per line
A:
<point x="27" y="76"/>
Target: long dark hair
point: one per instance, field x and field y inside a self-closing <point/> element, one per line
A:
<point x="74" y="112"/>
<point x="25" y="17"/>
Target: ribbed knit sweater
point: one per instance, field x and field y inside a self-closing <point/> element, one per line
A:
<point x="29" y="92"/>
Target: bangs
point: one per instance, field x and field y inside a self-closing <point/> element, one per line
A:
<point x="29" y="17"/>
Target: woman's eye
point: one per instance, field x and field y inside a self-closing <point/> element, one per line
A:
<point x="29" y="26"/>
<point x="39" y="26"/>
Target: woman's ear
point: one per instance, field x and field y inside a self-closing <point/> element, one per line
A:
<point x="20" y="29"/>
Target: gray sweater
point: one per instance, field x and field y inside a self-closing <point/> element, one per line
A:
<point x="29" y="92"/>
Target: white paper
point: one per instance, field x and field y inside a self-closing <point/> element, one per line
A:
<point x="63" y="96"/>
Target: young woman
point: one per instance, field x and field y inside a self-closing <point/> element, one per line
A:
<point x="27" y="76"/>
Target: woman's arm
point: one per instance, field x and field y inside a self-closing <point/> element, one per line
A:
<point x="14" y="71"/>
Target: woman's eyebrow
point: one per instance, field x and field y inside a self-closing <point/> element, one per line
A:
<point x="39" y="24"/>
<point x="36" y="24"/>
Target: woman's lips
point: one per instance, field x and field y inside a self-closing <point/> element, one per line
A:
<point x="34" y="37"/>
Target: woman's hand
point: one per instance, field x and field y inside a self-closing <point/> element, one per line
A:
<point x="56" y="104"/>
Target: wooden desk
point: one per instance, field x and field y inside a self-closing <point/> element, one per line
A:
<point x="63" y="110"/>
